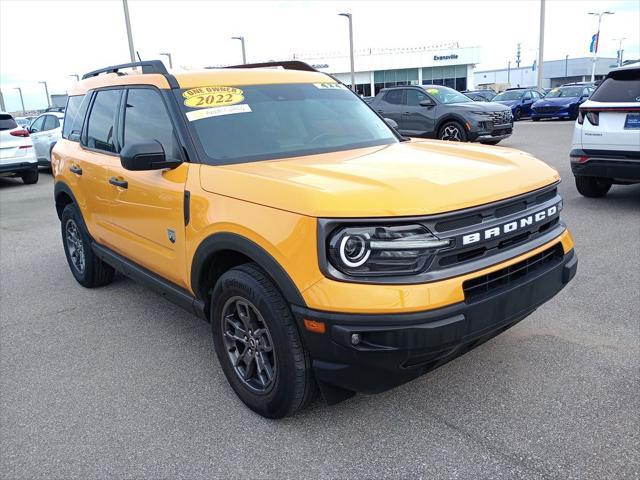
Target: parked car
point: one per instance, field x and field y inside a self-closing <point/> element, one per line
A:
<point x="45" y="131"/>
<point x="435" y="111"/>
<point x="23" y="122"/>
<point x="606" y="138"/>
<point x="561" y="102"/>
<point x="325" y="249"/>
<point x="519" y="100"/>
<point x="480" y="95"/>
<point x="17" y="157"/>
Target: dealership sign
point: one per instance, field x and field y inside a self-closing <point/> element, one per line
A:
<point x="453" y="56"/>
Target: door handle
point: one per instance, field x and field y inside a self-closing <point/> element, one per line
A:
<point x="119" y="183"/>
<point x="75" y="169"/>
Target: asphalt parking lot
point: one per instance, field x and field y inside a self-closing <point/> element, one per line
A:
<point x="117" y="382"/>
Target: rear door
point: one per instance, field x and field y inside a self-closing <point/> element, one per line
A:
<point x="147" y="207"/>
<point x="391" y="104"/>
<point x="418" y="120"/>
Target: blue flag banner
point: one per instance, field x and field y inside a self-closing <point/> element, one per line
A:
<point x="593" y="47"/>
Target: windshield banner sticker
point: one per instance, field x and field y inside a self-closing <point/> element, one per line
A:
<point x="330" y="86"/>
<point x="205" y="97"/>
<point x="217" y="111"/>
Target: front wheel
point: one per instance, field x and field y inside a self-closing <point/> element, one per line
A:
<point x="535" y="119"/>
<point x="453" y="132"/>
<point x="593" y="187"/>
<point x="258" y="344"/>
<point x="517" y="114"/>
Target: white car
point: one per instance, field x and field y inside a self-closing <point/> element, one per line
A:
<point x="17" y="155"/>
<point x="46" y="130"/>
<point x="606" y="137"/>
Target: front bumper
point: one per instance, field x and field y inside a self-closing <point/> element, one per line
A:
<point x="490" y="132"/>
<point x="622" y="166"/>
<point x="564" y="113"/>
<point x="395" y="348"/>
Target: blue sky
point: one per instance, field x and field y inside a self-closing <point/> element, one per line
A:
<point x="69" y="37"/>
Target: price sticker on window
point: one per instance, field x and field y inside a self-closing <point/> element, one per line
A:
<point x="213" y="96"/>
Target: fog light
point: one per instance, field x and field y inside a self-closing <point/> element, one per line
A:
<point x="355" y="338"/>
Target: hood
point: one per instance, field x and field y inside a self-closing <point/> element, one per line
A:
<point x="476" y="107"/>
<point x="556" y="101"/>
<point x="508" y="103"/>
<point x="409" y="178"/>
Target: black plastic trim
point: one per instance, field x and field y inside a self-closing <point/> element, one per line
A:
<point x="230" y="241"/>
<point x="286" y="64"/>
<point x="187" y="207"/>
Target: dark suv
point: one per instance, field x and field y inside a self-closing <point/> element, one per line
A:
<point x="434" y="111"/>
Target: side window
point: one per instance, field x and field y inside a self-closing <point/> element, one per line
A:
<point x="394" y="97"/>
<point x="50" y="122"/>
<point x="74" y="116"/>
<point x="146" y="119"/>
<point x="101" y="122"/>
<point x="527" y="96"/>
<point x="414" y="97"/>
<point x="536" y="95"/>
<point x="37" y="125"/>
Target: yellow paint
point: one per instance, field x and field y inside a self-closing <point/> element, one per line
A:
<point x="205" y="97"/>
<point x="276" y="203"/>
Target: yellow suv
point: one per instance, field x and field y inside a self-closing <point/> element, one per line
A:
<point x="326" y="250"/>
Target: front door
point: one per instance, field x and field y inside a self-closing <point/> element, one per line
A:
<point x="147" y="207"/>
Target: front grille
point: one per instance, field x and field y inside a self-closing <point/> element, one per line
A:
<point x="500" y="279"/>
<point x="546" y="109"/>
<point x="500" y="118"/>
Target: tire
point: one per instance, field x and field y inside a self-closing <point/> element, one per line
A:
<point x="85" y="266"/>
<point x="491" y="142"/>
<point x="31" y="177"/>
<point x="593" y="187"/>
<point x="245" y="298"/>
<point x="517" y="114"/>
<point x="535" y="119"/>
<point x="452" y="132"/>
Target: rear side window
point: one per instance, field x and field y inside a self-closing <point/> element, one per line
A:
<point x="146" y="119"/>
<point x="101" y="122"/>
<point x="620" y="87"/>
<point x="37" y="125"/>
<point x="394" y="97"/>
<point x="74" y="116"/>
<point x="7" y="122"/>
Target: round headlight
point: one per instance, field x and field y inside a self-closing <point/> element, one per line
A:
<point x="354" y="250"/>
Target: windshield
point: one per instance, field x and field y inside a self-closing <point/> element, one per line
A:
<point x="261" y="122"/>
<point x="509" y="95"/>
<point x="565" y="92"/>
<point x="446" y="94"/>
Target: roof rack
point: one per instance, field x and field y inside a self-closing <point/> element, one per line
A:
<point x="287" y="65"/>
<point x="147" y="66"/>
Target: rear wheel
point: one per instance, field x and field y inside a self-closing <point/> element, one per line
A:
<point x="85" y="266"/>
<point x="31" y="177"/>
<point x="593" y="187"/>
<point x="258" y="344"/>
<point x="453" y="132"/>
<point x="535" y="119"/>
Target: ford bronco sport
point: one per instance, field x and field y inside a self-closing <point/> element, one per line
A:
<point x="326" y="250"/>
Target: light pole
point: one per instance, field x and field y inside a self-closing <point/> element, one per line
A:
<point x="21" y="99"/>
<point x="566" y="67"/>
<point x="620" y="40"/>
<point x="75" y="75"/>
<point x="353" y="75"/>
<point x="169" y="56"/>
<point x="2" y="107"/>
<point x="244" y="53"/>
<point x="541" y="45"/>
<point x="509" y="72"/>
<point x="46" y="91"/>
<point x="127" y="21"/>
<point x="595" y="46"/>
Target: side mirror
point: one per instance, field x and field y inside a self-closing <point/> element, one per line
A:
<point x="392" y="123"/>
<point x="145" y="156"/>
<point x="426" y="103"/>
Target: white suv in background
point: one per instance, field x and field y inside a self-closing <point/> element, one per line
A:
<point x="46" y="130"/>
<point x="606" y="138"/>
<point x="17" y="155"/>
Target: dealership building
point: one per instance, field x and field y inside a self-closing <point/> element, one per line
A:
<point x="376" y="68"/>
<point x="554" y="73"/>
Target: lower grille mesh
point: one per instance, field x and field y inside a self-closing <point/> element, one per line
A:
<point x="480" y="286"/>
